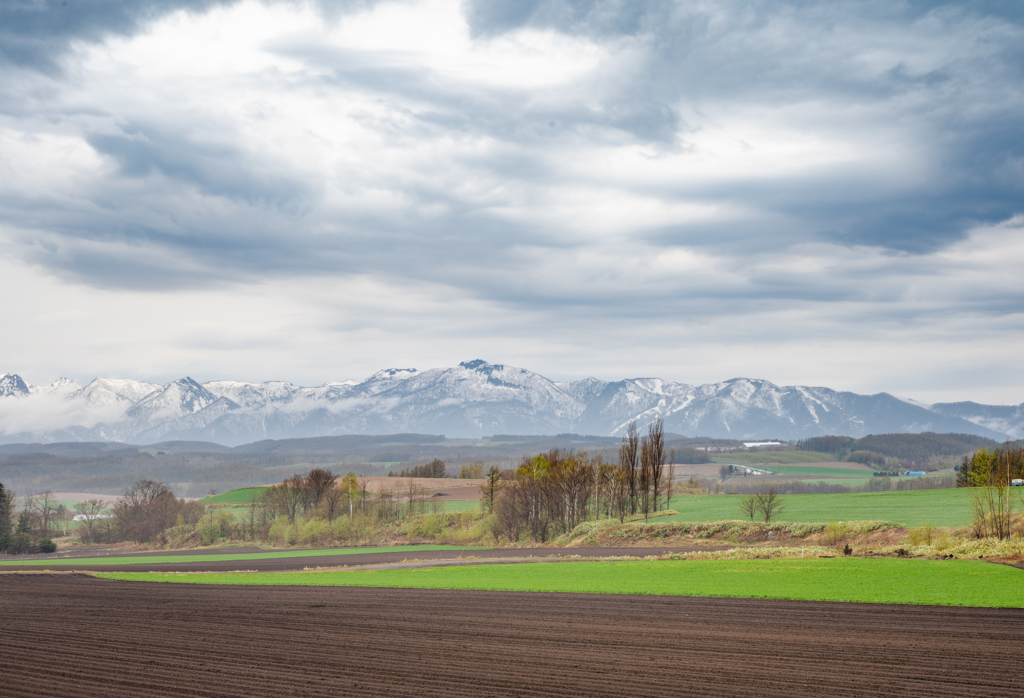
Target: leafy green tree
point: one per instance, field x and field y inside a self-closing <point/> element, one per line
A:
<point x="989" y="474"/>
<point x="472" y="471"/>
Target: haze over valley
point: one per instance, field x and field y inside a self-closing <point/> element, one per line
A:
<point x="470" y="400"/>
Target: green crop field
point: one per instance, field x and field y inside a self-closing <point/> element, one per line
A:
<point x="950" y="507"/>
<point x="808" y="471"/>
<point x="241" y="496"/>
<point x="745" y="458"/>
<point x="84" y="562"/>
<point x="458" y="506"/>
<point x="938" y="582"/>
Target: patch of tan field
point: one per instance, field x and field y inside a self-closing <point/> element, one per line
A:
<point x="83" y="496"/>
<point x="452" y="490"/>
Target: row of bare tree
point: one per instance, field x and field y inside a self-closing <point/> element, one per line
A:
<point x="552" y="493"/>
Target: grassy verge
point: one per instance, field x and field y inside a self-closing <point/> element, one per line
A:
<point x="83" y="562"/>
<point x="946" y="583"/>
<point x="915" y="508"/>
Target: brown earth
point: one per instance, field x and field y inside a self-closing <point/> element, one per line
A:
<point x="299" y="563"/>
<point x="454" y="489"/>
<point x="75" y="635"/>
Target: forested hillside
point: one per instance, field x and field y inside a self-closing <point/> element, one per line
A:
<point x="905" y="447"/>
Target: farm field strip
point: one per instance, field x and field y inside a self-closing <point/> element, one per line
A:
<point x="932" y="582"/>
<point x="171" y="640"/>
<point x="232" y="557"/>
<point x="363" y="558"/>
<point x="768" y="457"/>
<point x="816" y="471"/>
<point x="950" y="507"/>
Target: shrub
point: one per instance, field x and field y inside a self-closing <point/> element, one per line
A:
<point x="47" y="546"/>
<point x="208" y="531"/>
<point x="836" y="531"/>
<point x="313" y="532"/>
<point x="279" y="530"/>
<point x="921" y="535"/>
<point x="21" y="543"/>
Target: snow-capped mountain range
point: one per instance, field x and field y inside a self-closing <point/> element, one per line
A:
<point x="472" y="399"/>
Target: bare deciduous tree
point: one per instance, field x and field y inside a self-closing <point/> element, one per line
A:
<point x="89" y="513"/>
<point x="146" y="509"/>
<point x="656" y="448"/>
<point x="317" y="483"/>
<point x="628" y="453"/>
<point x="770" y="504"/>
<point x="750" y="505"/>
<point x="42" y="508"/>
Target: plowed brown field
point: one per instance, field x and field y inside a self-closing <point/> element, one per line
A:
<point x="64" y="635"/>
<point x="298" y="563"/>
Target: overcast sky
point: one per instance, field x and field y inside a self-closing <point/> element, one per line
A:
<point x="820" y="193"/>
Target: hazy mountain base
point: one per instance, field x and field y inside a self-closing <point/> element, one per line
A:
<point x="192" y="469"/>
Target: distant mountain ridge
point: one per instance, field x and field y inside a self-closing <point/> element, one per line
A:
<point x="469" y="400"/>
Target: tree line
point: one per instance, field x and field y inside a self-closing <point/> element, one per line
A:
<point x="553" y="492"/>
<point x="990" y="473"/>
<point x="909" y="449"/>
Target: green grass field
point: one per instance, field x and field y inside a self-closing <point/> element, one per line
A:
<point x="744" y="458"/>
<point x="803" y="472"/>
<point x="940" y="507"/>
<point x="84" y="562"/>
<point x="945" y="582"/>
<point x="240" y="496"/>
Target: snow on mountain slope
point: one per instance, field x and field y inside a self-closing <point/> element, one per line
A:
<point x="173" y="401"/>
<point x="61" y="386"/>
<point x="11" y="385"/>
<point x="109" y="391"/>
<point x="254" y="395"/>
<point x="468" y="400"/>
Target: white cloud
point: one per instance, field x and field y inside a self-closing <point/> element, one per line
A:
<point x="256" y="192"/>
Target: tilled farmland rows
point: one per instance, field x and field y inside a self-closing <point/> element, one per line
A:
<point x="75" y="635"/>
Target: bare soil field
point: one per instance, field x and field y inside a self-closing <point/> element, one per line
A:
<point x="75" y="635"/>
<point x="454" y="489"/>
<point x="299" y="563"/>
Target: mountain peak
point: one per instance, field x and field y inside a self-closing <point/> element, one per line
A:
<point x="481" y="365"/>
<point x="12" y="384"/>
<point x="393" y="374"/>
<point x="473" y="398"/>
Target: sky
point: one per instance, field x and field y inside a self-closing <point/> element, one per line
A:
<point x="814" y="193"/>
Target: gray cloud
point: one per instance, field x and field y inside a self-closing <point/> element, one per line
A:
<point x="36" y="33"/>
<point x="897" y="128"/>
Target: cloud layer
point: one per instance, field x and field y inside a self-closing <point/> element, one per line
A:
<point x="811" y="192"/>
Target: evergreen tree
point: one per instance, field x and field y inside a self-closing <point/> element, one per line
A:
<point x="24" y="523"/>
<point x="5" y="519"/>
